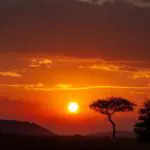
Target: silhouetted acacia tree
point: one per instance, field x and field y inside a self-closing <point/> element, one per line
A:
<point x="142" y="127"/>
<point x="110" y="106"/>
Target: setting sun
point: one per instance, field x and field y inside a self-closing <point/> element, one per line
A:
<point x="73" y="107"/>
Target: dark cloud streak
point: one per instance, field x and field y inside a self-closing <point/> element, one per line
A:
<point x="118" y="31"/>
<point x="139" y="3"/>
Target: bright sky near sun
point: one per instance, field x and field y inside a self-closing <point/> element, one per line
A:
<point x="73" y="107"/>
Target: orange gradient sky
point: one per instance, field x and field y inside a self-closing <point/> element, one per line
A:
<point x="53" y="52"/>
<point x="44" y="86"/>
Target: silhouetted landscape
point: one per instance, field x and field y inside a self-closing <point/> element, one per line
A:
<point x="70" y="143"/>
<point x="120" y="134"/>
<point x="19" y="135"/>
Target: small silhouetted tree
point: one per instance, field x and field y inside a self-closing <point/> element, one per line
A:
<point x="111" y="106"/>
<point x="142" y="127"/>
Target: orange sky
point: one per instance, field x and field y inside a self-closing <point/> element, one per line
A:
<point x="56" y="51"/>
<point x="45" y="86"/>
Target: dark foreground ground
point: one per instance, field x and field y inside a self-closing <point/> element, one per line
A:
<point x="69" y="143"/>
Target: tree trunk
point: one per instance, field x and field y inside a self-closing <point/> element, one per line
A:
<point x="113" y="127"/>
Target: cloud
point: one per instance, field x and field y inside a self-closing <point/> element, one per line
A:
<point x="135" y="72"/>
<point x="45" y="62"/>
<point x="97" y="87"/>
<point x="136" y="69"/>
<point x="106" y="66"/>
<point x="36" y="63"/>
<point x="87" y="1"/>
<point x="10" y="74"/>
<point x="69" y="87"/>
<point x="63" y="86"/>
<point x="99" y="2"/>
<point x="86" y="35"/>
<point x="30" y="86"/>
<point x="141" y="75"/>
<point x="25" y="86"/>
<point x="138" y="92"/>
<point x="140" y="3"/>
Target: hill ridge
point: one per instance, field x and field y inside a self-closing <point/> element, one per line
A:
<point x="23" y="128"/>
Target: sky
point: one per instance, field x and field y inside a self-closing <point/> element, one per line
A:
<point x="56" y="51"/>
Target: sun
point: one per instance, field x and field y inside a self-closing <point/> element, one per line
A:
<point x="73" y="107"/>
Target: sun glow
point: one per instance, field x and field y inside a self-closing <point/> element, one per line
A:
<point x="73" y="107"/>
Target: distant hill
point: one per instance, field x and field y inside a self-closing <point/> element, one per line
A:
<point x="118" y="134"/>
<point x="12" y="127"/>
